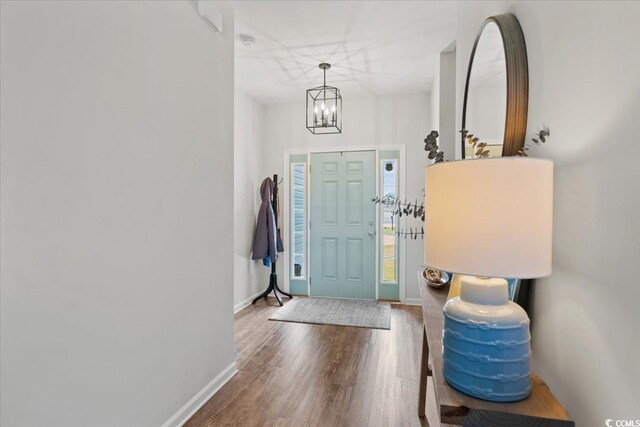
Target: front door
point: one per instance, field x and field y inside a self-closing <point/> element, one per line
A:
<point x="343" y="241"/>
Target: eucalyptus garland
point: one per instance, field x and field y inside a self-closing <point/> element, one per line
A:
<point x="431" y="147"/>
<point x="540" y="137"/>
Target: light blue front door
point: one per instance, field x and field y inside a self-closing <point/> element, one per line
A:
<point x="343" y="241"/>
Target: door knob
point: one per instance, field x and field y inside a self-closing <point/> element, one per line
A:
<point x="372" y="233"/>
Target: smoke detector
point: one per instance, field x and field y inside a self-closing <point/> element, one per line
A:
<point x="247" y="40"/>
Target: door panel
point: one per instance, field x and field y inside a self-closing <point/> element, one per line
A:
<point x="354" y="203"/>
<point x="354" y="259"/>
<point x="329" y="259"/>
<point x="329" y="202"/>
<point x="343" y="242"/>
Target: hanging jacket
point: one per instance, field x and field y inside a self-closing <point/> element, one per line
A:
<point x="266" y="241"/>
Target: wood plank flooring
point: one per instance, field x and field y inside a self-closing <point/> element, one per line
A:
<point x="293" y="374"/>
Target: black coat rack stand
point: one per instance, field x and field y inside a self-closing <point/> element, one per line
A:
<point x="273" y="279"/>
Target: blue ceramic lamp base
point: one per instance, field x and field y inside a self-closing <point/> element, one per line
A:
<point x="486" y="342"/>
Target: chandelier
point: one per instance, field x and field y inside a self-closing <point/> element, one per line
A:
<point x="324" y="107"/>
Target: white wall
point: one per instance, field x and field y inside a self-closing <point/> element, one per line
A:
<point x="443" y="102"/>
<point x="373" y="120"/>
<point x="434" y="97"/>
<point x="117" y="133"/>
<point x="585" y="85"/>
<point x="250" y="277"/>
<point x="449" y="135"/>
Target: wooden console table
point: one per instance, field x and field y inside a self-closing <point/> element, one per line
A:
<point x="540" y="409"/>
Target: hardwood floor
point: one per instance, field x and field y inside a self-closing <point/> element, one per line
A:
<point x="293" y="374"/>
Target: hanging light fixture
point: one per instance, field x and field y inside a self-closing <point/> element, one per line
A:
<point x="324" y="107"/>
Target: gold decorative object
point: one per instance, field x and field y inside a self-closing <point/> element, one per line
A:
<point x="434" y="277"/>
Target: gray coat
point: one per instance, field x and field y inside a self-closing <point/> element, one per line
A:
<point x="266" y="241"/>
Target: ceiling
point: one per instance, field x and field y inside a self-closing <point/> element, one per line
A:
<point x="374" y="47"/>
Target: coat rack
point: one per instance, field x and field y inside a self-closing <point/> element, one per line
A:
<point x="273" y="278"/>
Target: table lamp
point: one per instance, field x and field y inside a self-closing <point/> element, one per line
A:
<point x="488" y="219"/>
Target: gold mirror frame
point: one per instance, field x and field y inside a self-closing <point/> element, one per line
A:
<point x="515" y="52"/>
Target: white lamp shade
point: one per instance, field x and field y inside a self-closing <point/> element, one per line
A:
<point x="490" y="217"/>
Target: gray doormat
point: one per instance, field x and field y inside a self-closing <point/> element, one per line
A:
<point x="335" y="311"/>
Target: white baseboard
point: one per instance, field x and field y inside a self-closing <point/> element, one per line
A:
<point x="413" y="301"/>
<point x="245" y="303"/>
<point x="202" y="397"/>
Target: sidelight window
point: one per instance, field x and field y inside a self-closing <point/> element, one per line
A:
<point x="298" y="220"/>
<point x="389" y="222"/>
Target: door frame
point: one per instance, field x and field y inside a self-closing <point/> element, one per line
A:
<point x="402" y="148"/>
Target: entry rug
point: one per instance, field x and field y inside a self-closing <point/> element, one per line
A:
<point x="335" y="311"/>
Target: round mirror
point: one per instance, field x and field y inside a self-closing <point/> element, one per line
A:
<point x="494" y="116"/>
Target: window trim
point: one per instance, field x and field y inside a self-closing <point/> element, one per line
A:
<point x="396" y="256"/>
<point x="305" y="214"/>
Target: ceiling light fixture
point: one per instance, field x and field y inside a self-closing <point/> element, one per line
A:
<point x="324" y="107"/>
